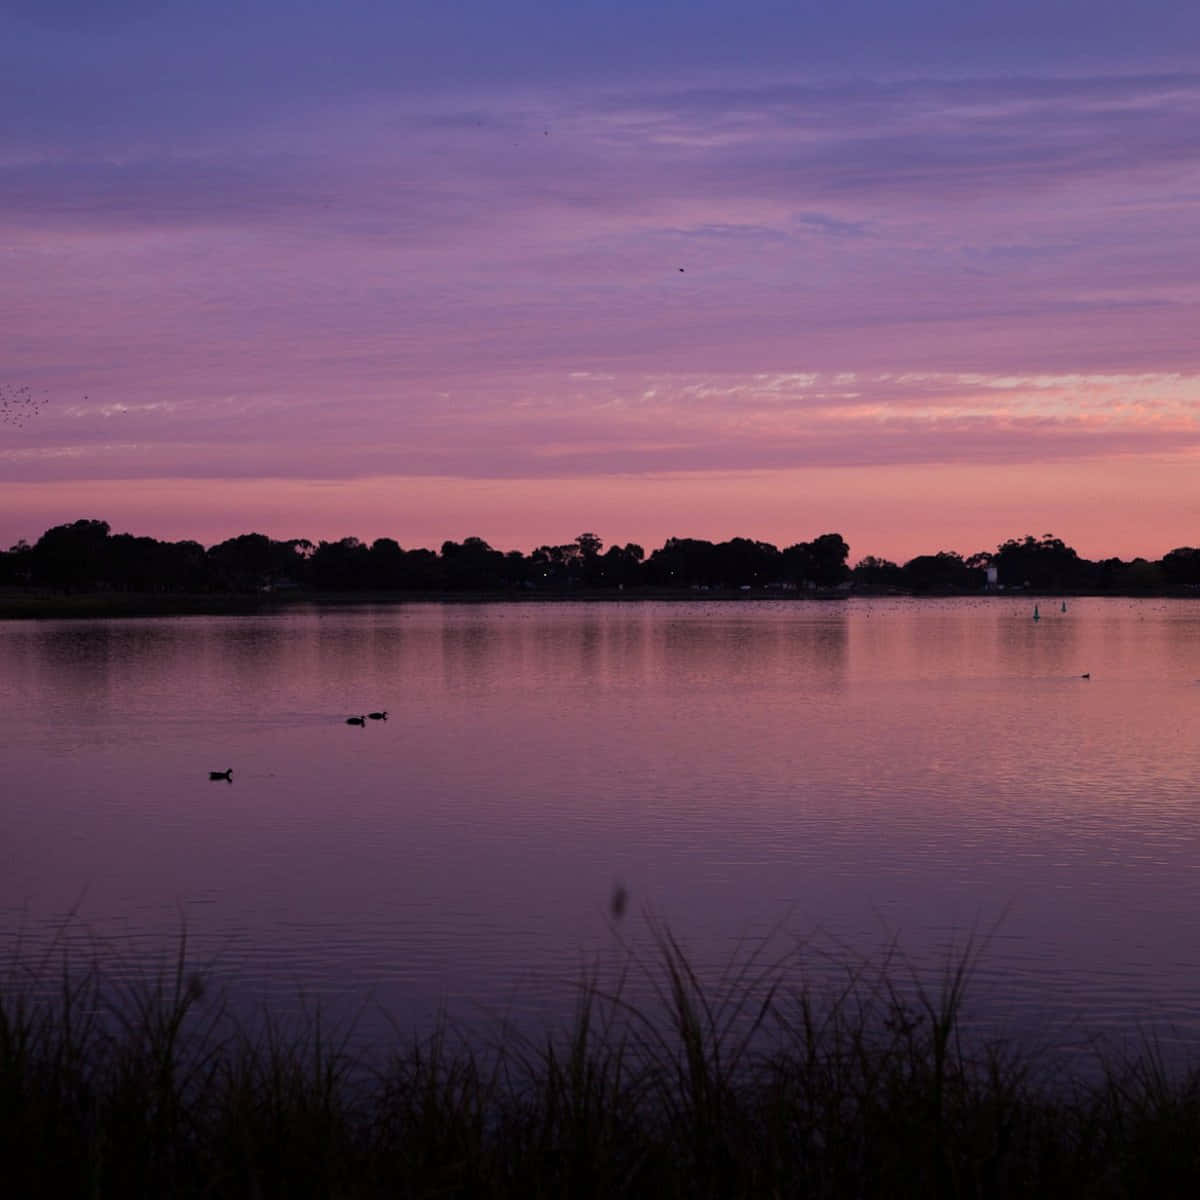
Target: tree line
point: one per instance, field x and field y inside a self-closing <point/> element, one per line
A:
<point x="87" y="556"/>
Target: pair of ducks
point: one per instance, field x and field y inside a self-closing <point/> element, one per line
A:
<point x="227" y="776"/>
<point x="375" y="716"/>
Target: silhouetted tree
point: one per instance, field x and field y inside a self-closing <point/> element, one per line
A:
<point x="85" y="554"/>
<point x="556" y="566"/>
<point x="72" y="557"/>
<point x="473" y="565"/>
<point x="1045" y="564"/>
<point x="143" y="564"/>
<point x="589" y="545"/>
<point x="1143" y="576"/>
<point x="942" y="572"/>
<point x="590" y="571"/>
<point x="242" y="563"/>
<point x="424" y="571"/>
<point x="681" y="562"/>
<point x="387" y="567"/>
<point x="621" y="566"/>
<point x="878" y="572"/>
<point x="829" y="553"/>
<point x="344" y="565"/>
<point x="517" y="569"/>
<point x="1181" y="567"/>
<point x="821" y="562"/>
<point x="16" y="565"/>
<point x="741" y="561"/>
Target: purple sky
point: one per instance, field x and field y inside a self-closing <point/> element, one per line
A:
<point x="414" y="270"/>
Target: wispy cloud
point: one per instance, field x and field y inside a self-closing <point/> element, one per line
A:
<point x="593" y="424"/>
<point x="504" y="275"/>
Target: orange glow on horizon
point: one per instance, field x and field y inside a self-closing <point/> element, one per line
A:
<point x="1127" y="507"/>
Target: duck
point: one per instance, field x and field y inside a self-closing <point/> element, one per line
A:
<point x="226" y="775"/>
<point x="356" y="720"/>
<point x="378" y="716"/>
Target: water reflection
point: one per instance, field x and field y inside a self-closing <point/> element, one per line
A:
<point x="860" y="767"/>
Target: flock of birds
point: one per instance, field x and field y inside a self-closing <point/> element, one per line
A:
<point x="226" y="776"/>
<point x="19" y="405"/>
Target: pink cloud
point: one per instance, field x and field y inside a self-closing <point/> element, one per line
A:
<point x="490" y="289"/>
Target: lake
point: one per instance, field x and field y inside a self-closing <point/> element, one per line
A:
<point x="847" y="773"/>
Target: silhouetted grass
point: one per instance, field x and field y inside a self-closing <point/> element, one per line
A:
<point x="748" y="1086"/>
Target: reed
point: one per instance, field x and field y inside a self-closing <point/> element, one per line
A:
<point x="663" y="1083"/>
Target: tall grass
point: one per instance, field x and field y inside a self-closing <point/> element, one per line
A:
<point x="126" y="1085"/>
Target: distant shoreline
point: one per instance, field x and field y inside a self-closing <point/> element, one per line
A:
<point x="37" y="605"/>
<point x="123" y="574"/>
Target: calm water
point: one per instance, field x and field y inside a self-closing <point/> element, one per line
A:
<point x="845" y="771"/>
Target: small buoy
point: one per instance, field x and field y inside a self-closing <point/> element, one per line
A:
<point x="1064" y="607"/>
<point x="1037" y="616"/>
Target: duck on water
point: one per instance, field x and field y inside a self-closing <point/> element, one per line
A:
<point x="225" y="775"/>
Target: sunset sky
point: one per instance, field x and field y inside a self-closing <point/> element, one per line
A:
<point x="919" y="271"/>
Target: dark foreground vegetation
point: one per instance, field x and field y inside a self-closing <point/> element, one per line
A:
<point x="745" y="1088"/>
<point x="86" y="558"/>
